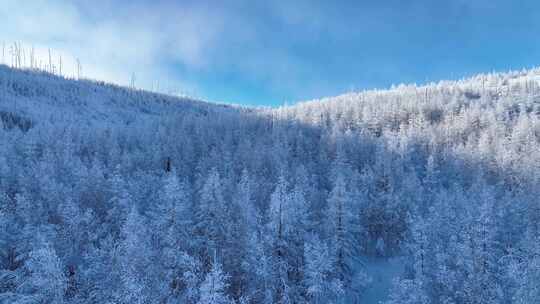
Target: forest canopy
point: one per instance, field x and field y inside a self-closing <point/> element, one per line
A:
<point x="115" y="195"/>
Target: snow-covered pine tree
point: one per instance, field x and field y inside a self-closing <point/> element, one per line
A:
<point x="45" y="281"/>
<point x="322" y="286"/>
<point x="136" y="260"/>
<point x="213" y="288"/>
<point x="211" y="218"/>
<point x="340" y="230"/>
<point x="279" y="226"/>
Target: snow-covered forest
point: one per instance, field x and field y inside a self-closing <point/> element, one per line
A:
<point x="116" y="195"/>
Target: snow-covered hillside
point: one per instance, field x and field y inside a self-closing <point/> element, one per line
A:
<point x="40" y="96"/>
<point x="113" y="195"/>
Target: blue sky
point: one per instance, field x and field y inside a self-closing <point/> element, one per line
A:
<point x="272" y="52"/>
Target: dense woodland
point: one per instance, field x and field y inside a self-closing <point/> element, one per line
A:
<point x="114" y="195"/>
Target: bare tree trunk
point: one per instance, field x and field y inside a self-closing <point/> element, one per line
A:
<point x="60" y="65"/>
<point x="12" y="53"/>
<point x="19" y="55"/>
<point x="23" y="57"/>
<point x="32" y="58"/>
<point x="50" y="62"/>
<point x="132" y="81"/>
<point x="79" y="69"/>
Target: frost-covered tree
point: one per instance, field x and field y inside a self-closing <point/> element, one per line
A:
<point x="74" y="239"/>
<point x="322" y="286"/>
<point x="525" y="271"/>
<point x="120" y="203"/>
<point x="136" y="260"/>
<point x="213" y="288"/>
<point x="211" y="217"/>
<point x="172" y="207"/>
<point x="170" y="219"/>
<point x="341" y="229"/>
<point x="45" y="281"/>
<point x="279" y="226"/>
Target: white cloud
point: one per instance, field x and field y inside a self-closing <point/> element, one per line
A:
<point x="142" y="41"/>
<point x="156" y="40"/>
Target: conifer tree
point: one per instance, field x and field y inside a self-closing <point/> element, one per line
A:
<point x="280" y="204"/>
<point x="211" y="216"/>
<point x="45" y="281"/>
<point x="213" y="288"/>
<point x="340" y="229"/>
<point x="136" y="260"/>
<point x="322" y="287"/>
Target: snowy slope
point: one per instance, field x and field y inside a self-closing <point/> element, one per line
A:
<point x="40" y="96"/>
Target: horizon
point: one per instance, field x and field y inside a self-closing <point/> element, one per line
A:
<point x="276" y="54"/>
